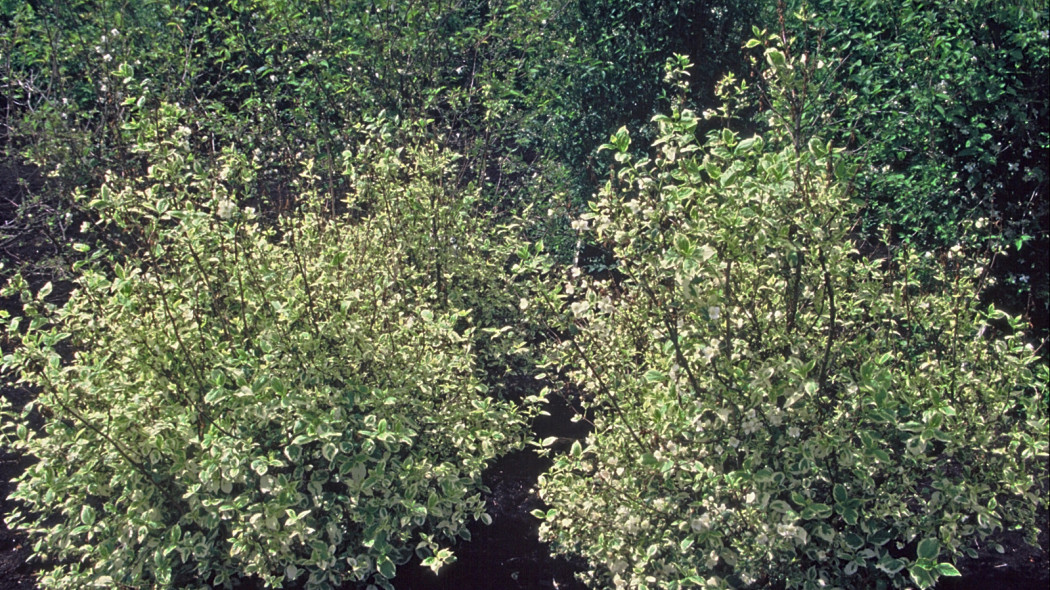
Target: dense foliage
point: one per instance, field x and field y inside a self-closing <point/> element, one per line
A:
<point x="946" y="104"/>
<point x="272" y="267"/>
<point x="772" y="408"/>
<point x="298" y="402"/>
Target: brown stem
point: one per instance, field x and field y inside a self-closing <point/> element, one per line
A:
<point x="831" y="329"/>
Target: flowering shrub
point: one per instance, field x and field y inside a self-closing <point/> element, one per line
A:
<point x="770" y="407"/>
<point x="296" y="403"/>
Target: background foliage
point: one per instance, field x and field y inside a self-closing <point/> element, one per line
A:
<point x="945" y="103"/>
<point x="285" y="224"/>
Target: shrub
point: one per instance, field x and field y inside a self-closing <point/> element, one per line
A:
<point x="224" y="400"/>
<point x="770" y="407"/>
<point x="945" y="104"/>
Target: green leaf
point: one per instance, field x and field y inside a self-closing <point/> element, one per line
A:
<point x="891" y="565"/>
<point x="839" y="492"/>
<point x="87" y="515"/>
<point x="947" y="569"/>
<point x="328" y="451"/>
<point x="816" y="510"/>
<point x="386" y="567"/>
<point x="817" y="148"/>
<point x="577" y="449"/>
<point x="922" y="577"/>
<point x="278" y="386"/>
<point x="654" y="376"/>
<point x="776" y="58"/>
<point x="929" y="548"/>
<point x="854" y="541"/>
<point x="713" y="170"/>
<point x="879" y="538"/>
<point x="823" y="530"/>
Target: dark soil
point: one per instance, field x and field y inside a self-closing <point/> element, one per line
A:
<point x="15" y="572"/>
<point x="507" y="554"/>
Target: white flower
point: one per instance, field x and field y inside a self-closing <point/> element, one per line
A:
<point x="701" y="524"/>
<point x="714" y="312"/>
<point x="1012" y="166"/>
<point x="793" y="431"/>
<point x="107" y="57"/>
<point x="226" y="208"/>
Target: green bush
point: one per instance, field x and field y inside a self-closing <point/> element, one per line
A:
<point x="224" y="400"/>
<point x="946" y="105"/>
<point x="770" y="407"/>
